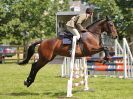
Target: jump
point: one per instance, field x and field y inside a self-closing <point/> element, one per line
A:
<point x="50" y="48"/>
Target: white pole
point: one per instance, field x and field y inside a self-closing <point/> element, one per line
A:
<point x="118" y="48"/>
<point x="63" y="68"/>
<point x="69" y="86"/>
<point x="116" y="51"/>
<point x="68" y="65"/>
<point x="85" y="74"/>
<point x="128" y="49"/>
<point x="124" y="59"/>
<point x="130" y="57"/>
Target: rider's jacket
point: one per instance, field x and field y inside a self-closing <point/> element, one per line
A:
<point x="80" y="21"/>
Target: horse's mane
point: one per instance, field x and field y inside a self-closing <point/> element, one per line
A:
<point x="94" y="23"/>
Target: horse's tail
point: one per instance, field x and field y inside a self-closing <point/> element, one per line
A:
<point x="30" y="52"/>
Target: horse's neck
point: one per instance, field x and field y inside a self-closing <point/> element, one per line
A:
<point x="89" y="38"/>
<point x="95" y="31"/>
<point x="96" y="28"/>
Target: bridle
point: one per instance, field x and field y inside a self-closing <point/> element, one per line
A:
<point x="108" y="27"/>
<point x="107" y="36"/>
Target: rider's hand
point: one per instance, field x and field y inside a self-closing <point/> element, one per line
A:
<point x="84" y="30"/>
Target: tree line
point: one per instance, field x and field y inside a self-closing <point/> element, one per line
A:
<point x="31" y="19"/>
<point x="28" y="19"/>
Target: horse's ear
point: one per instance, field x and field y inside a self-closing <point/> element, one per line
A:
<point x="107" y="18"/>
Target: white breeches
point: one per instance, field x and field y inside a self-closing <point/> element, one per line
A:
<point x="74" y="32"/>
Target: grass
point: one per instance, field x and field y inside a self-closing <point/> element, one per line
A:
<point x="49" y="85"/>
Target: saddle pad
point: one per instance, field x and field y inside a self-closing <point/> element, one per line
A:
<point x="66" y="41"/>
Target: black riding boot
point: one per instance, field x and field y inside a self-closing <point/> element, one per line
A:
<point x="70" y="47"/>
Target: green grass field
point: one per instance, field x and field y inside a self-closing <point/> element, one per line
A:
<point x="49" y="85"/>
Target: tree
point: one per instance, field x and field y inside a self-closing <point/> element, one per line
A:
<point x="23" y="20"/>
<point x="120" y="10"/>
<point x="126" y="7"/>
<point x="20" y="19"/>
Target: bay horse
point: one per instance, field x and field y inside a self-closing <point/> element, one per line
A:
<point x="49" y="48"/>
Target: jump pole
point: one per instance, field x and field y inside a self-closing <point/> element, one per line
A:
<point x="79" y="64"/>
<point x="69" y="86"/>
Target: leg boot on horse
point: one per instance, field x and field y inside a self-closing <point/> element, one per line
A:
<point x="34" y="69"/>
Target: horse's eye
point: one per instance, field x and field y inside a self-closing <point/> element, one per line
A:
<point x="110" y="23"/>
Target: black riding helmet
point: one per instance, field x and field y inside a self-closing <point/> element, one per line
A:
<point x="89" y="10"/>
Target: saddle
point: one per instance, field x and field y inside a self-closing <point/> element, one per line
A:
<point x="66" y="38"/>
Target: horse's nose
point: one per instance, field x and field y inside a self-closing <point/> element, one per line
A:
<point x="114" y="37"/>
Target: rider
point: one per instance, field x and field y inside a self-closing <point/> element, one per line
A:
<point x="79" y="23"/>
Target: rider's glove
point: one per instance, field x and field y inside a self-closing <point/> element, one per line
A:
<point x="84" y="30"/>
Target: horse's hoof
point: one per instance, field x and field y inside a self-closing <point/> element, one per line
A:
<point x="26" y="83"/>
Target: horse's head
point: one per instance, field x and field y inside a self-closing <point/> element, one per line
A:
<point x="109" y="27"/>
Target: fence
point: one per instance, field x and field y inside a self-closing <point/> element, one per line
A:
<point x="122" y="63"/>
<point x="17" y="56"/>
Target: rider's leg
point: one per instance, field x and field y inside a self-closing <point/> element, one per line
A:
<point x="75" y="33"/>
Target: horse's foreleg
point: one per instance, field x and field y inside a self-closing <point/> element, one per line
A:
<point x="107" y="55"/>
<point x="34" y="69"/>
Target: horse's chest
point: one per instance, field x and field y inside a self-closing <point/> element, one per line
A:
<point x="93" y="45"/>
<point x="93" y="48"/>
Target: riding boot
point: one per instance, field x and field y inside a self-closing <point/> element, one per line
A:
<point x="79" y="40"/>
<point x="70" y="49"/>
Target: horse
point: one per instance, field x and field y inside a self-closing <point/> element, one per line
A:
<point x="50" y="48"/>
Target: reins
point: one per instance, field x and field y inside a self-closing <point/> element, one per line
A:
<point x="102" y="38"/>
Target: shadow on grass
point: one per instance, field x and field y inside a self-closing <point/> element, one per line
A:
<point x="48" y="93"/>
<point x="19" y="94"/>
<point x="55" y="94"/>
<point x="62" y="95"/>
<point x="59" y="95"/>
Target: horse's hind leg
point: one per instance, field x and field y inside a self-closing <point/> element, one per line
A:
<point x="34" y="69"/>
